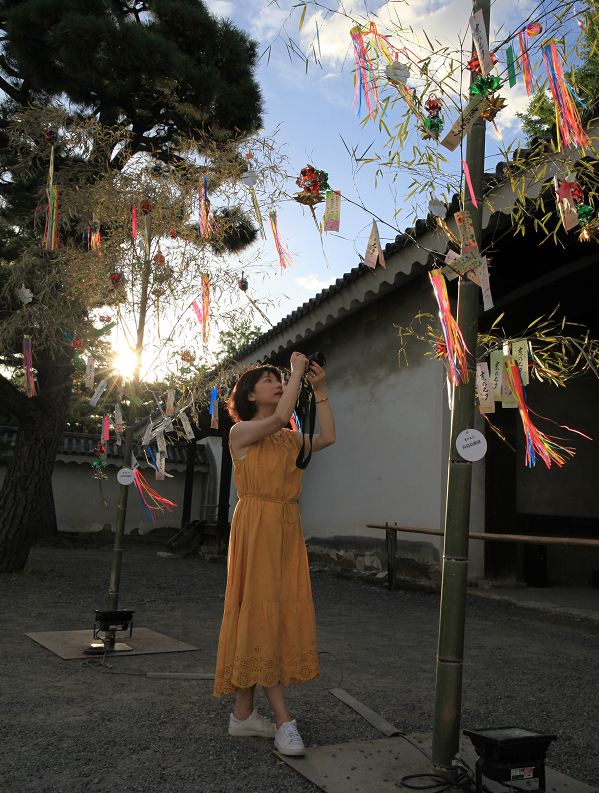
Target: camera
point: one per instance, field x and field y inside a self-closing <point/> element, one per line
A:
<point x="318" y="358"/>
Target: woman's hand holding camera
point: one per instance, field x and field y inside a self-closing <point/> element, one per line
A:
<point x="316" y="376"/>
<point x="299" y="363"/>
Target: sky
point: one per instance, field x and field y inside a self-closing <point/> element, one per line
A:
<point x="313" y="111"/>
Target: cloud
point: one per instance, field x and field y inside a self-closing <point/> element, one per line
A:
<point x="312" y="283"/>
<point x="222" y="8"/>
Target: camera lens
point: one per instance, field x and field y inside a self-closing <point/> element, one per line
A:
<point x="318" y="358"/>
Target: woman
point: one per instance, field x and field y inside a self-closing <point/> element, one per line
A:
<point x="268" y="634"/>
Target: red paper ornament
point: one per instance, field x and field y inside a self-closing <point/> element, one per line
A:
<point x="105" y="319"/>
<point x="145" y="207"/>
<point x="473" y="64"/>
<point x="173" y="233"/>
<point x="116" y="280"/>
<point x="159" y="259"/>
<point x="432" y="105"/>
<point x="77" y="343"/>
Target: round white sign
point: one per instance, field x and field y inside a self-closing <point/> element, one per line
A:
<point x="471" y="445"/>
<point x="125" y="476"/>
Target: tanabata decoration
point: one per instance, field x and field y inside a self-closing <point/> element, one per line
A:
<point x="397" y="73"/>
<point x="28" y="367"/>
<point x="365" y="78"/>
<point x="312" y="182"/>
<point x="511" y="65"/>
<point x="214" y="409"/>
<point x="536" y="442"/>
<point x="534" y="29"/>
<point x="145" y="206"/>
<point x="284" y="257"/>
<point x="585" y="212"/>
<point x="187" y="356"/>
<point x="93" y="235"/>
<point x="332" y="212"/>
<point x="89" y="373"/>
<point x="374" y="252"/>
<point x="134" y="222"/>
<point x="50" y="238"/>
<point x="243" y="283"/>
<point x="433" y="125"/>
<point x="25" y="295"/>
<point x="437" y="208"/>
<point x="495" y="104"/>
<point x="473" y="64"/>
<point x="249" y="178"/>
<point x="569" y="128"/>
<point x="77" y="343"/>
<point x="203" y="313"/>
<point x="103" y="331"/>
<point x="159" y="259"/>
<point x="452" y="347"/>
<point x="150" y="496"/>
<point x="173" y="233"/>
<point x="525" y="67"/>
<point x="565" y="202"/>
<point x="104" y="318"/>
<point x="481" y="42"/>
<point x="485" y="85"/>
<point x="117" y="280"/>
<point x="206" y="221"/>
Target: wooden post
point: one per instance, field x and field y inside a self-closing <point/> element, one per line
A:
<point x="224" y="490"/>
<point x="188" y="492"/>
<point x="391" y="552"/>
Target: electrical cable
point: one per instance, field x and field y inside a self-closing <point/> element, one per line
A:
<point x="326" y="652"/>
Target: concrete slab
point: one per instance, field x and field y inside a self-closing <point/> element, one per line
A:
<point x="70" y="645"/>
<point x="377" y="766"/>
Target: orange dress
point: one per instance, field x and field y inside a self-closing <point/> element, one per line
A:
<point x="268" y="634"/>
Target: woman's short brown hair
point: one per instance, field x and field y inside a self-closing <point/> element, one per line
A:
<point x="241" y="408"/>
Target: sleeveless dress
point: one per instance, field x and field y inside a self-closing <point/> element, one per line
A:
<point x="268" y="633"/>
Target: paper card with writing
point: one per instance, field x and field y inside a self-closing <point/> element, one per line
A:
<point x="332" y="212"/>
<point x="147" y="434"/>
<point x="520" y="354"/>
<point x="484" y="388"/>
<point x="170" y="402"/>
<point x="496" y="373"/>
<point x="508" y="400"/>
<point x="464" y="123"/>
<point x="118" y="418"/>
<point x="89" y="373"/>
<point x="214" y="411"/>
<point x="485" y="284"/>
<point x="193" y="409"/>
<point x="567" y="210"/>
<point x="186" y="426"/>
<point x="98" y="393"/>
<point x="374" y="252"/>
<point x="481" y="42"/>
<point x="134" y="463"/>
<point x="161" y="443"/>
<point x="449" y="272"/>
<point x="168" y="427"/>
<point x="466" y="232"/>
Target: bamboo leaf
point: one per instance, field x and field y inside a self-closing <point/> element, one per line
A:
<point x="302" y="18"/>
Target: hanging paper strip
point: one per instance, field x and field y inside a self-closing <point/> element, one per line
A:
<point x="50" y="239"/>
<point x="525" y="65"/>
<point x="484" y="388"/>
<point x="511" y="69"/>
<point x="481" y="42"/>
<point x="134" y="221"/>
<point x="332" y="210"/>
<point x="148" y="495"/>
<point x="206" y="222"/>
<point x="28" y="367"/>
<point x="566" y="116"/>
<point x="455" y="347"/>
<point x="205" y="307"/>
<point x="374" y="252"/>
<point x="284" y="257"/>
<point x="258" y="213"/>
<point x="365" y="78"/>
<point x="536" y="442"/>
<point x="520" y="354"/>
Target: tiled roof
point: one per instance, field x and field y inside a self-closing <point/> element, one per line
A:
<point x="82" y="444"/>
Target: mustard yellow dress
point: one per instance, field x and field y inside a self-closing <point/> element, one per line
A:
<point x="268" y="634"/>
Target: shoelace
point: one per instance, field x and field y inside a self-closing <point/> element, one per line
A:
<point x="291" y="732"/>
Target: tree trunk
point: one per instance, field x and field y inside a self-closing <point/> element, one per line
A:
<point x="46" y="523"/>
<point x="26" y="502"/>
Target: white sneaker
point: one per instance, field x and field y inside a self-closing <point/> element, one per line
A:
<point x="288" y="740"/>
<point x="253" y="725"/>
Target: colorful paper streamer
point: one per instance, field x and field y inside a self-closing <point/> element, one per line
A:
<point x="455" y="347"/>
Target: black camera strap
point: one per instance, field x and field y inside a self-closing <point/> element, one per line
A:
<point x="306" y="411"/>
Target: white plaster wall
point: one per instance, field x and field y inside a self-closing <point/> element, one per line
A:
<point x="79" y="504"/>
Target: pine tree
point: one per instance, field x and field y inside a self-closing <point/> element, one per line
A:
<point x="157" y="70"/>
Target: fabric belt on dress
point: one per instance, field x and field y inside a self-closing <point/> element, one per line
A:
<point x="286" y="515"/>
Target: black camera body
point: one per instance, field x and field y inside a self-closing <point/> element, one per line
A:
<point x="318" y="358"/>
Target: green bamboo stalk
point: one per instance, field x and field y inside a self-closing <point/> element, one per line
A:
<point x="450" y="652"/>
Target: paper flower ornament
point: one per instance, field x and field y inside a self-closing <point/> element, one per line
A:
<point x="398" y="72"/>
<point x="249" y="178"/>
<point x="25" y="295"/>
<point x="535" y="29"/>
<point x="437" y="208"/>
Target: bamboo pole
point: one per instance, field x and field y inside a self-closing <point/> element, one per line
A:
<point x="450" y="649"/>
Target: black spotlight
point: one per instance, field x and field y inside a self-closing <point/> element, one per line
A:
<point x="111" y="622"/>
<point x="508" y="754"/>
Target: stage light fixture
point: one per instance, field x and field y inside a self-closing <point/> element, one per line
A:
<point x="510" y="754"/>
<point x="110" y="622"/>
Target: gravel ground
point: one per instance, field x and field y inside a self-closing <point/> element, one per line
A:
<point x="68" y="728"/>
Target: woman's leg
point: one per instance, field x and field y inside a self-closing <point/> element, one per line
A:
<point x="276" y="697"/>
<point x="244" y="704"/>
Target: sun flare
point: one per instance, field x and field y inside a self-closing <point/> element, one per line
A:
<point x="125" y="361"/>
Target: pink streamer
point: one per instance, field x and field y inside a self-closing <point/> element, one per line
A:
<point x="469" y="182"/>
<point x="134" y="223"/>
<point x="106" y="428"/>
<point x="198" y="312"/>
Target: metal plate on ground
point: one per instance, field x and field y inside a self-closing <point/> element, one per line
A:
<point x="377" y="766"/>
<point x="70" y="645"/>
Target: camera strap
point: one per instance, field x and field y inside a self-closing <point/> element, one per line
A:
<point x="306" y="411"/>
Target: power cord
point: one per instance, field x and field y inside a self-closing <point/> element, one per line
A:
<point x="326" y="652"/>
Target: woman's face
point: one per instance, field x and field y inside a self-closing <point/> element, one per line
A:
<point x="267" y="391"/>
